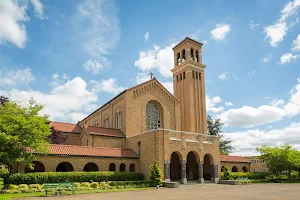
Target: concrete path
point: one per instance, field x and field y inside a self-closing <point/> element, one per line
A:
<point x="197" y="192"/>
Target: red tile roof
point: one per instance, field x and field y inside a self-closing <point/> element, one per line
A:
<point x="66" y="127"/>
<point x="225" y="158"/>
<point x="105" y="131"/>
<point x="88" y="151"/>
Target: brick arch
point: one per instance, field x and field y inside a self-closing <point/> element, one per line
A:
<point x="245" y="169"/>
<point x="64" y="167"/>
<point x="208" y="166"/>
<point x="91" y="167"/>
<point x="175" y="166"/>
<point x="234" y="169"/>
<point x="37" y="167"/>
<point x="192" y="159"/>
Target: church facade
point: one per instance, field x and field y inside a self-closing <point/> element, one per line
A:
<point x="143" y="124"/>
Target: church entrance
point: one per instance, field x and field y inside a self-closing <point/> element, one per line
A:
<point x="175" y="167"/>
<point x="208" y="167"/>
<point x="192" y="167"/>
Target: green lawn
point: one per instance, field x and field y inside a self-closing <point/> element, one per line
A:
<point x="34" y="194"/>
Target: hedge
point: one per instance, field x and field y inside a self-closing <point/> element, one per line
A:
<point x="56" y="177"/>
<point x="249" y="175"/>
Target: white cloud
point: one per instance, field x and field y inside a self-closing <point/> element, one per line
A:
<point x="276" y="32"/>
<point x="245" y="142"/>
<point x="248" y="116"/>
<point x="16" y="77"/>
<point x="158" y="58"/>
<point x="109" y="85"/>
<point x="96" y="27"/>
<point x="12" y="29"/>
<point x="94" y="66"/>
<point x="142" y="77"/>
<point x="66" y="102"/>
<point x="288" y="57"/>
<point x="58" y="79"/>
<point x="253" y="25"/>
<point x="221" y="31"/>
<point x="296" y="44"/>
<point x="169" y="86"/>
<point x="212" y="104"/>
<point x="223" y="76"/>
<point x="146" y="36"/>
<point x="228" y="104"/>
<point x="266" y="59"/>
<point x="205" y="42"/>
<point x="38" y="9"/>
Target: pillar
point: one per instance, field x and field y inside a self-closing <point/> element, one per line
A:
<point x="167" y="170"/>
<point x="215" y="173"/>
<point x="183" y="172"/>
<point x="200" y="171"/>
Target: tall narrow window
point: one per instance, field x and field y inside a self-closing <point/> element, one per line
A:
<point x="105" y="123"/>
<point x="196" y="75"/>
<point x="120" y="119"/>
<point x="193" y="74"/>
<point x="197" y="56"/>
<point x="183" y="75"/>
<point x="117" y="120"/>
<point x="180" y="77"/>
<point x="183" y="55"/>
<point x="178" y="59"/>
<point x="153" y="116"/>
<point x="192" y="54"/>
<point x="177" y="78"/>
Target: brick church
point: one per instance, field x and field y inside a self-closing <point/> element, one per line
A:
<point x="143" y="124"/>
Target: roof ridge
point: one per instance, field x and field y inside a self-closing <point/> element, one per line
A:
<point x="89" y="146"/>
<point x="62" y="122"/>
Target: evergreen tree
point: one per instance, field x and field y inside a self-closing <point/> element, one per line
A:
<point x="156" y="175"/>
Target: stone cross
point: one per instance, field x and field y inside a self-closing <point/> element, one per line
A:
<point x="151" y="74"/>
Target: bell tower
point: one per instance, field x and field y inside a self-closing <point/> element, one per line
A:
<point x="189" y="85"/>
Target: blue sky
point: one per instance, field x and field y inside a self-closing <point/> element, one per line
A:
<point x="74" y="56"/>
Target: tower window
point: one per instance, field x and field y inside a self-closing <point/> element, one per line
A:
<point x="192" y="54"/>
<point x="183" y="75"/>
<point x="178" y="58"/>
<point x="193" y="74"/>
<point x="177" y="78"/>
<point x="180" y="77"/>
<point x="183" y="55"/>
<point x="197" y="56"/>
<point x="196" y="75"/>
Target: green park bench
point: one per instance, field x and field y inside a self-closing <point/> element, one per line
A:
<point x="58" y="187"/>
<point x="243" y="180"/>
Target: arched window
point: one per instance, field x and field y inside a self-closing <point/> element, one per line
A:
<point x="178" y="58"/>
<point x="193" y="74"/>
<point x="118" y="119"/>
<point x="183" y="55"/>
<point x="64" y="167"/>
<point x="105" y="123"/>
<point x="112" y="167"/>
<point x="37" y="167"/>
<point x="197" y="56"/>
<point x="153" y="116"/>
<point x="122" y="167"/>
<point x="192" y="54"/>
<point x="180" y="77"/>
<point x="96" y="123"/>
<point x="183" y="75"/>
<point x="177" y="78"/>
<point x="132" y="167"/>
<point x="91" y="167"/>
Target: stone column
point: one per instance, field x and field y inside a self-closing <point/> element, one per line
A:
<point x="200" y="171"/>
<point x="183" y="172"/>
<point x="167" y="170"/>
<point x="214" y="173"/>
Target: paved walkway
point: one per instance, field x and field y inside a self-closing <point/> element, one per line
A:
<point x="198" y="192"/>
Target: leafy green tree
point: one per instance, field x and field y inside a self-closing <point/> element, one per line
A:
<point x="156" y="175"/>
<point x="22" y="132"/>
<point x="214" y="128"/>
<point x="280" y="159"/>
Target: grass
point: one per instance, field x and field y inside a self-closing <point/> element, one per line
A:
<point x="37" y="194"/>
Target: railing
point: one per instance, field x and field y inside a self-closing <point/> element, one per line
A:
<point x="190" y="137"/>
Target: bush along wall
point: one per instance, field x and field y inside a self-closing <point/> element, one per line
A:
<point x="249" y="175"/>
<point x="57" y="177"/>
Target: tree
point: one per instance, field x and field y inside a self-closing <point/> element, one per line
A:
<point x="280" y="159"/>
<point x="56" y="137"/>
<point x="156" y="175"/>
<point x="22" y="132"/>
<point x="214" y="128"/>
<point x="3" y="100"/>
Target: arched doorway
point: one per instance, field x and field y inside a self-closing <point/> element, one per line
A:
<point x="192" y="167"/>
<point x="37" y="167"/>
<point x="234" y="169"/>
<point x="64" y="167"/>
<point x="208" y="167"/>
<point x="175" y="167"/>
<point x="222" y="169"/>
<point x="122" y="167"/>
<point x="132" y="167"/>
<point x="90" y="167"/>
<point x="245" y="169"/>
<point x="112" y="167"/>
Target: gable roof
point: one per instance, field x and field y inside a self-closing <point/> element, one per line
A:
<point x="186" y="38"/>
<point x="66" y="127"/>
<point x="111" y="132"/>
<point x="88" y="151"/>
<point x="154" y="79"/>
<point x="225" y="158"/>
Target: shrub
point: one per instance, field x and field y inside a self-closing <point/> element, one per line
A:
<point x="85" y="185"/>
<point x="3" y="172"/>
<point x="103" y="185"/>
<point x="12" y="187"/>
<point x="226" y="174"/>
<point x="35" y="187"/>
<point x="57" y="177"/>
<point x="94" y="185"/>
<point x="23" y="187"/>
<point x="156" y="175"/>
